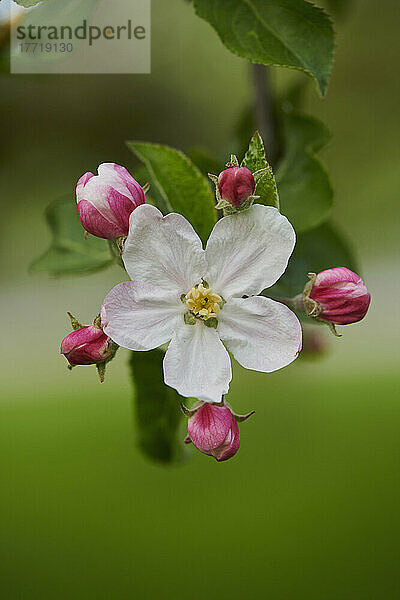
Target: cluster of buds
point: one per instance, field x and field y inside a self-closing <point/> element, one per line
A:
<point x="213" y="429"/>
<point x="88" y="345"/>
<point x="107" y="200"/>
<point x="336" y="296"/>
<point x="105" y="204"/>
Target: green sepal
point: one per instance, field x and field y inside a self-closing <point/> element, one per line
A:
<point x="101" y="370"/>
<point x="74" y="322"/>
<point x="214" y="178"/>
<point x="222" y="205"/>
<point x="221" y="304"/>
<point x="101" y="367"/>
<point x="233" y="161"/>
<point x="246" y="204"/>
<point x="243" y="418"/>
<point x="212" y="323"/>
<point x="97" y="322"/>
<point x="189" y="318"/>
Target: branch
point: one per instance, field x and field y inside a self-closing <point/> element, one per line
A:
<point x="265" y="118"/>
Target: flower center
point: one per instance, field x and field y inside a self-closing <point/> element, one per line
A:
<point x="202" y="302"/>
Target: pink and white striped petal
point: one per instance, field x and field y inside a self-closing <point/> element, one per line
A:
<point x="106" y="201"/>
<point x="342" y="296"/>
<point x="96" y="223"/>
<point x="230" y="445"/>
<point x="214" y="431"/>
<point x="82" y="181"/>
<point x="122" y="181"/>
<point x="209" y="426"/>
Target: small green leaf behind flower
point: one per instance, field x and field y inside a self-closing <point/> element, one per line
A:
<point x="305" y="190"/>
<point x="157" y="412"/>
<point x="255" y="160"/>
<point x="153" y="196"/>
<point x="70" y="253"/>
<point x="184" y="189"/>
<point x="205" y="160"/>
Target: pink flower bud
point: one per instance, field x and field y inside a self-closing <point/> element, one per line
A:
<point x="86" y="346"/>
<point x="236" y="184"/>
<point x="340" y="296"/>
<point x="214" y="431"/>
<point x="106" y="201"/>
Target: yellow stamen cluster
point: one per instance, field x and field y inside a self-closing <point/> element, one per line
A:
<point x="202" y="302"/>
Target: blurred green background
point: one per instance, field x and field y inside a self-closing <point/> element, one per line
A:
<point x="309" y="507"/>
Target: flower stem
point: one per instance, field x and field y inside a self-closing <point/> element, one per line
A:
<point x="295" y="303"/>
<point x="265" y="110"/>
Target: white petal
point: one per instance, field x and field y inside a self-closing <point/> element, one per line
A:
<point x="196" y="363"/>
<point x="249" y="251"/>
<point x="138" y="316"/>
<point x="163" y="251"/>
<point x="262" y="334"/>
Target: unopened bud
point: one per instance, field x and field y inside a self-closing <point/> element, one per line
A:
<point x="106" y="201"/>
<point x="337" y="295"/>
<point x="214" y="431"/>
<point x="87" y="345"/>
<point x="236" y="184"/>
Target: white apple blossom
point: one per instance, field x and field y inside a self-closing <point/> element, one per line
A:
<point x="200" y="298"/>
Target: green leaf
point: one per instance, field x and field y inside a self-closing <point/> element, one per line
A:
<point x="153" y="196"/>
<point x="321" y="248"/>
<point x="255" y="160"/>
<point x="287" y="33"/>
<point x="305" y="190"/>
<point x="181" y="184"/>
<point x="70" y="253"/>
<point x="205" y="161"/>
<point x="157" y="409"/>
